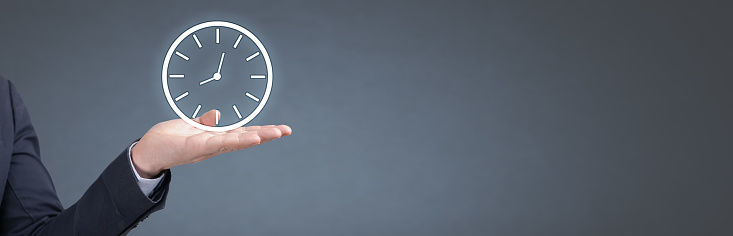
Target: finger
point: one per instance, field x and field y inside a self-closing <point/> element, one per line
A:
<point x="216" y="143"/>
<point x="232" y="142"/>
<point x="255" y="128"/>
<point x="210" y="118"/>
<point x="248" y="129"/>
<point x="268" y="134"/>
<point x="285" y="130"/>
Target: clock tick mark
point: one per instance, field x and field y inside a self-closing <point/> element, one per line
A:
<point x="252" y="97"/>
<point x="218" y="114"/>
<point x="197" y="40"/>
<point x="182" y="96"/>
<point x="257" y="77"/>
<point x="197" y="111"/>
<point x="237" y="43"/>
<point x="181" y="55"/>
<point x="217" y="35"/>
<point x="253" y="55"/>
<point x="176" y="76"/>
<point x="237" y="111"/>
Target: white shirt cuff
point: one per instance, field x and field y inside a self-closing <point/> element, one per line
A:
<point x="146" y="185"/>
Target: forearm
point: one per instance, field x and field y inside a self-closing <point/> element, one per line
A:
<point x="113" y="204"/>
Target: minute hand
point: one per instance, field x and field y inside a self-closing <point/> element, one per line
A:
<point x="220" y="62"/>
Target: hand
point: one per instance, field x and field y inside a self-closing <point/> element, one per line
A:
<point x="175" y="142"/>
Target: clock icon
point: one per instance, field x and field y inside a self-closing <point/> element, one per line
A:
<point x="217" y="65"/>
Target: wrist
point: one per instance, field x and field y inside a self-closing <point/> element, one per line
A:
<point x="142" y="165"/>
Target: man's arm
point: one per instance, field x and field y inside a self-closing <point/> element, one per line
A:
<point x="112" y="205"/>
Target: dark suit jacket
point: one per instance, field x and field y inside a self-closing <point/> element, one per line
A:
<point x="112" y="205"/>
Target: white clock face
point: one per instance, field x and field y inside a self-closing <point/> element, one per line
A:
<point x="217" y="65"/>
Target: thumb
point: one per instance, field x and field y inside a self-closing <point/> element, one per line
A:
<point x="210" y="118"/>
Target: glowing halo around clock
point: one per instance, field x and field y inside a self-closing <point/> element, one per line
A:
<point x="172" y="51"/>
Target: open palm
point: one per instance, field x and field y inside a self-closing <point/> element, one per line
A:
<point x="175" y="142"/>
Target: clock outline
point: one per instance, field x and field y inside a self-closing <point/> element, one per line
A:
<point x="188" y="33"/>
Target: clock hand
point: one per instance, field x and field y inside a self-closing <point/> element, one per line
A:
<point x="217" y="74"/>
<point x="220" y="61"/>
<point x="208" y="80"/>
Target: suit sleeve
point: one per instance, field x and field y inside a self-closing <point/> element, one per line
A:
<point x="113" y="204"/>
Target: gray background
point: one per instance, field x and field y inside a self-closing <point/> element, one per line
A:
<point x="409" y="117"/>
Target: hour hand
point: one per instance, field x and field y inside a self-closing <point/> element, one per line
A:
<point x="216" y="76"/>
